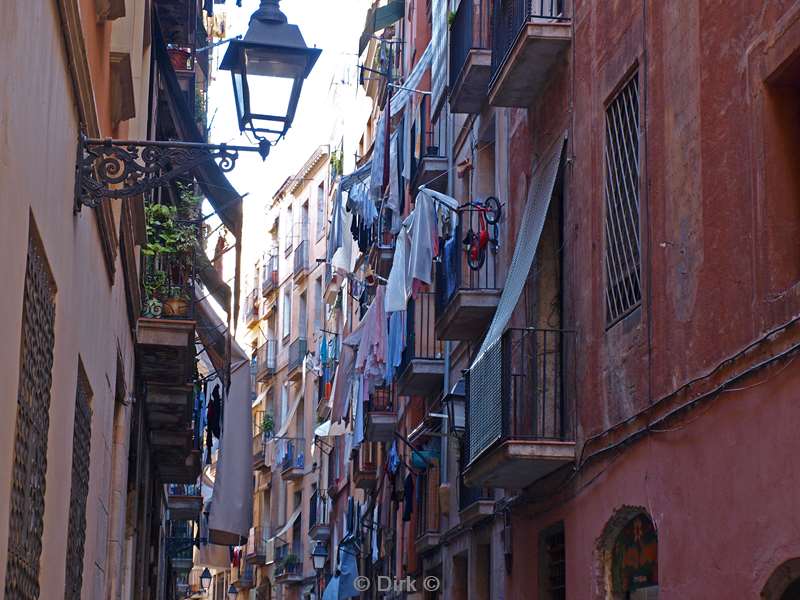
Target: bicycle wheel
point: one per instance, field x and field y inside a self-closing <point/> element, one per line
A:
<point x="492" y="214"/>
<point x="476" y="263"/>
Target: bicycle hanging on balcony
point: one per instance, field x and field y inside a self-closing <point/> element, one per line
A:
<point x="477" y="242"/>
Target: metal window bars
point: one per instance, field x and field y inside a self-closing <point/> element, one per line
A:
<point x="510" y="16"/>
<point x="623" y="240"/>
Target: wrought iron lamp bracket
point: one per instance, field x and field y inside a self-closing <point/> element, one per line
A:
<point x="107" y="169"/>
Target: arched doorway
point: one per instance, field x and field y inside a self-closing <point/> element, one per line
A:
<point x="629" y="556"/>
<point x="784" y="583"/>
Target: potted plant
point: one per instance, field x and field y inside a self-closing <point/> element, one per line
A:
<point x="290" y="561"/>
<point x="267" y="425"/>
<point x="168" y="257"/>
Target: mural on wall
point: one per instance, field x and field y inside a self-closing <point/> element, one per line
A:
<point x="636" y="556"/>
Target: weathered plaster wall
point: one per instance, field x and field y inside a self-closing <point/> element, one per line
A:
<point x="724" y="504"/>
<point x="38" y="130"/>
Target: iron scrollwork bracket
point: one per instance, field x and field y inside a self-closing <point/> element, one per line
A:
<point x="107" y="169"/>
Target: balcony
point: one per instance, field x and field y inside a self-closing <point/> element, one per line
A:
<point x="319" y="528"/>
<point x="256" y="550"/>
<point x="174" y="442"/>
<point x="179" y="549"/>
<point x="520" y="422"/>
<point x="184" y="501"/>
<point x="381" y="416"/>
<point x="297" y="353"/>
<point x="251" y="316"/>
<point x="301" y="259"/>
<point x="430" y="168"/>
<point x="243" y="576"/>
<point x="293" y="459"/>
<point x="466" y="299"/>
<point x="270" y="282"/>
<point x="365" y="471"/>
<point x="289" y="565"/>
<point x="266" y="361"/>
<point x="383" y="245"/>
<point x="259" y="452"/>
<point x="427" y="534"/>
<point x="422" y="368"/>
<point x="474" y="504"/>
<point x="470" y="57"/>
<point x="528" y="39"/>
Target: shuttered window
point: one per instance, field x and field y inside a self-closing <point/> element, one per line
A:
<point x="29" y="468"/>
<point x="622" y="235"/>
<point x="79" y="490"/>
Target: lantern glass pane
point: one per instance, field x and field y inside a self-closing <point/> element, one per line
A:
<point x="269" y="96"/>
<point x="238" y="94"/>
<point x="275" y="62"/>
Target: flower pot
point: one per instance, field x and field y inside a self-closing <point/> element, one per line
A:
<point x="179" y="59"/>
<point x="175" y="307"/>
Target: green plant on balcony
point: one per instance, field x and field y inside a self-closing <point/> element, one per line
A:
<point x="267" y="425"/>
<point x="168" y="255"/>
<point x="291" y="560"/>
<point x="451" y="18"/>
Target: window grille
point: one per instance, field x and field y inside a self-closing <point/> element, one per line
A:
<point x="28" y="478"/>
<point x="623" y="239"/>
<point x="81" y="446"/>
<point x="553" y="568"/>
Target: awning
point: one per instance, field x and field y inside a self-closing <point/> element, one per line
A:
<point x="214" y="334"/>
<point x="543" y="181"/>
<point x="329" y="429"/>
<point x="231" y="514"/>
<point x="227" y="202"/>
<point x="212" y="280"/>
<point x="380" y="17"/>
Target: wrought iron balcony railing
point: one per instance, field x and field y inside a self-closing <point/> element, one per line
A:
<point x="266" y="360"/>
<point x="510" y="16"/>
<point x="421" y="342"/>
<point x="515" y="391"/>
<point x="467" y="33"/>
<point x="453" y="272"/>
<point x="269" y="282"/>
<point x="297" y="352"/>
<point x="301" y="257"/>
<point x="251" y="306"/>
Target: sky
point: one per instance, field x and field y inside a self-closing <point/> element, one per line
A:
<point x="332" y="25"/>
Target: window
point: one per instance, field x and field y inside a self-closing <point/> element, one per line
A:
<point x="319" y="312"/>
<point x="289" y="232"/>
<point x="553" y="571"/>
<point x="304" y="222"/>
<point x="287" y="311"/>
<point x="622" y="241"/>
<point x="303" y="333"/>
<point x="79" y="490"/>
<point x="29" y="466"/>
<point x="321" y="210"/>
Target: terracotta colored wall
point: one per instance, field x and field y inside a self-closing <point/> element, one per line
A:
<point x="722" y="494"/>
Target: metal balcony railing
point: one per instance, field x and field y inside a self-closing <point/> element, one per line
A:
<point x="183" y="489"/>
<point x="467" y="33"/>
<point x="269" y="282"/>
<point x="381" y="400"/>
<point x="421" y="342"/>
<point x="169" y="268"/>
<point x="179" y="547"/>
<point x="515" y="391"/>
<point x="510" y="16"/>
<point x="317" y="511"/>
<point x="293" y="454"/>
<point x="289" y="560"/>
<point x="428" y="519"/>
<point x="301" y="257"/>
<point x="251" y="306"/>
<point x="453" y="273"/>
<point x="467" y="496"/>
<point x="266" y="359"/>
<point x="297" y="352"/>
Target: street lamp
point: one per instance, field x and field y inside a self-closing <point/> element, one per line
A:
<point x="205" y="579"/>
<point x="232" y="593"/>
<point x="456" y="409"/>
<point x="319" y="555"/>
<point x="268" y="68"/>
